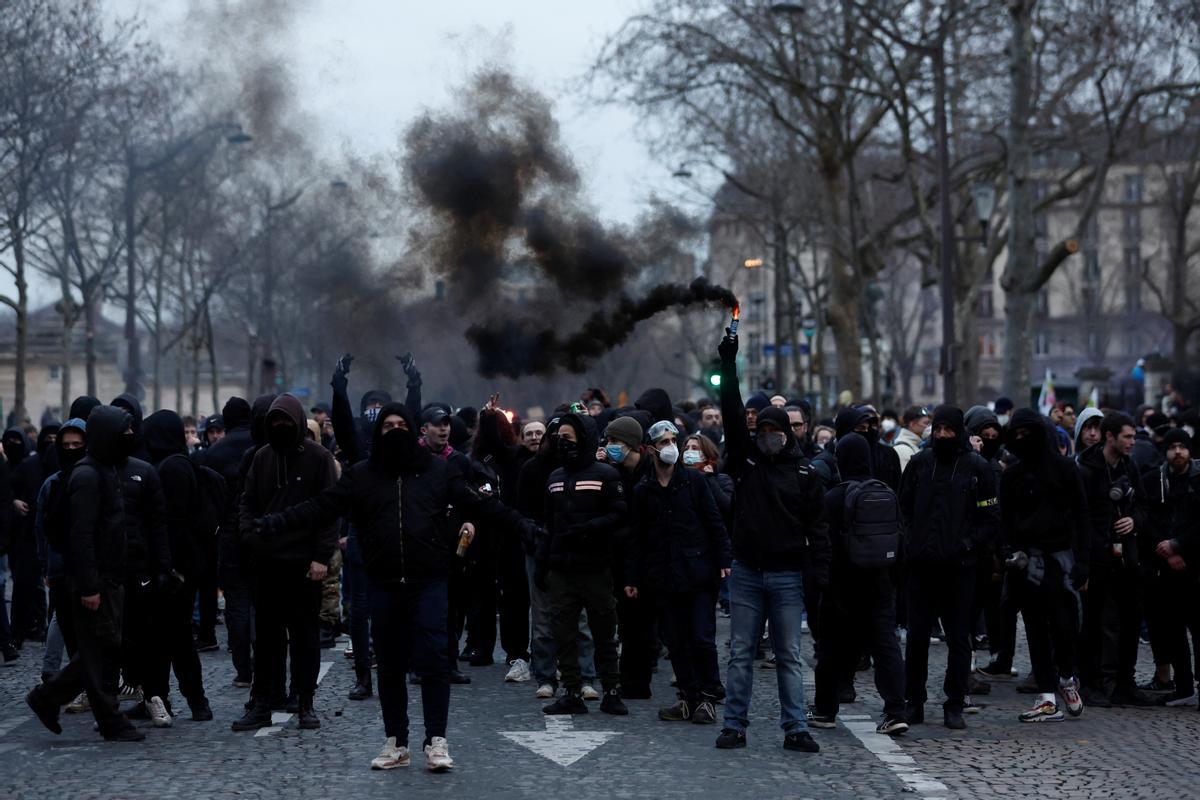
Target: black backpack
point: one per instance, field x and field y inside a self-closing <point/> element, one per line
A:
<point x="212" y="494"/>
<point x="871" y="521"/>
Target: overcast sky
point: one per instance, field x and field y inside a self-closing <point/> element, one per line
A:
<point x="366" y="68"/>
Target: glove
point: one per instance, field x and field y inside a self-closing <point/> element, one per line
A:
<point x="340" y="371"/>
<point x="409" y="365"/>
<point x="269" y="525"/>
<point x="728" y="348"/>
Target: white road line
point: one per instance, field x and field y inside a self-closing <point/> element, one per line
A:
<point x="894" y="758"/>
<point x="279" y="719"/>
<point x="11" y="724"/>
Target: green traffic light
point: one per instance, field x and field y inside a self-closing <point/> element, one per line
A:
<point x="714" y="380"/>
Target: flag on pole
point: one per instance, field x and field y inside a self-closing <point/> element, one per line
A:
<point x="1047" y="400"/>
<point x="1094" y="398"/>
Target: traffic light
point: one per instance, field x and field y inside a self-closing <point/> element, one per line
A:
<point x="712" y="375"/>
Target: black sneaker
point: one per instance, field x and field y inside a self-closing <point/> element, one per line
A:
<point x="1155" y="685"/>
<point x="243" y="681"/>
<point x="892" y="726"/>
<point x="259" y="716"/>
<point x="201" y="711"/>
<point x="976" y="686"/>
<point x="916" y="713"/>
<point x="705" y="713"/>
<point x="46" y="711"/>
<point x="954" y="720"/>
<point x="731" y="739"/>
<point x="679" y="712"/>
<point x="481" y="659"/>
<point x="1133" y="697"/>
<point x="612" y="704"/>
<point x="459" y="678"/>
<point x="8" y="655"/>
<point x="995" y="671"/>
<point x="801" y="741"/>
<point x="309" y="721"/>
<point x="1096" y="698"/>
<point x="824" y="721"/>
<point x="568" y="703"/>
<point x="123" y="733"/>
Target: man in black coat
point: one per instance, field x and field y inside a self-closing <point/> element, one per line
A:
<point x="29" y="596"/>
<point x="95" y="562"/>
<point x="948" y="498"/>
<point x="1044" y="534"/>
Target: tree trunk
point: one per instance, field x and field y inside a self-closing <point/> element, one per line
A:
<point x="844" y="291"/>
<point x="179" y="351"/>
<point x="89" y="343"/>
<point x="196" y="378"/>
<point x="66" y="342"/>
<point x="212" y="360"/>
<point x="133" y="355"/>
<point x="1020" y="271"/>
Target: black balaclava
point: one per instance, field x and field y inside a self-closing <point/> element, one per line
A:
<point x="951" y="416"/>
<point x="16" y="446"/>
<point x="397" y="450"/>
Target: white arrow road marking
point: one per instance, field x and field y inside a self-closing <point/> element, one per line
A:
<point x="279" y="718"/>
<point x="559" y="742"/>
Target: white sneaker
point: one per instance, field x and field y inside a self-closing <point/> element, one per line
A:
<point x="158" y="712"/>
<point x="391" y="756"/>
<point x="129" y="693"/>
<point x="588" y="692"/>
<point x="518" y="672"/>
<point x="544" y="692"/>
<point x="79" y="705"/>
<point x="437" y="755"/>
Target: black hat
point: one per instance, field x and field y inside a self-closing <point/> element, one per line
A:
<point x="433" y="415"/>
<point x="1176" y="436"/>
<point x="776" y="417"/>
<point x="215" y="422"/>
<point x="322" y="407"/>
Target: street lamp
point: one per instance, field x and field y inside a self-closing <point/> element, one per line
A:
<point x="983" y="194"/>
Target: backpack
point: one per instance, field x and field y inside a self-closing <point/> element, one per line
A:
<point x="871" y="521"/>
<point x="212" y="494"/>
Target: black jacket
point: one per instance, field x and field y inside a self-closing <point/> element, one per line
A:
<point x="1042" y="502"/>
<point x="778" y="512"/>
<point x="401" y="515"/>
<point x="278" y="480"/>
<point x="854" y="463"/>
<point x="1098" y="479"/>
<point x="147" y="548"/>
<point x="679" y="542"/>
<point x="131" y="404"/>
<point x="1174" y="510"/>
<point x="950" y="507"/>
<point x="163" y="432"/>
<point x="585" y="509"/>
<point x="96" y="553"/>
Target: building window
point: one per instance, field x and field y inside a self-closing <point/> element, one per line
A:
<point x="1091" y="266"/>
<point x="987" y="345"/>
<point x="1041" y="344"/>
<point x="55" y="372"/>
<point x="986" y="309"/>
<point x="1133" y="225"/>
<point x="754" y="357"/>
<point x="1133" y="188"/>
<point x="929" y="382"/>
<point x="1043" y="302"/>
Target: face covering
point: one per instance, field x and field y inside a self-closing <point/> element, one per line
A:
<point x="927" y="433"/>
<point x="669" y="454"/>
<point x="945" y="448"/>
<point x="69" y="458"/>
<point x="990" y="448"/>
<point x="281" y="437"/>
<point x="397" y="448"/>
<point x="1002" y="419"/>
<point x="567" y="450"/>
<point x="771" y="443"/>
<point x="128" y="445"/>
<point x="615" y="453"/>
<point x="14" y="451"/>
<point x="1024" y="448"/>
<point x="693" y="457"/>
<point x="371" y="414"/>
<point x="888" y="425"/>
<point x="871" y="435"/>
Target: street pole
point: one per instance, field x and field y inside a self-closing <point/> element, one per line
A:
<point x="946" y="249"/>
<point x="779" y="284"/>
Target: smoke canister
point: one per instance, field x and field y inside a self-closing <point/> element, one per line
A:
<point x="733" y="323"/>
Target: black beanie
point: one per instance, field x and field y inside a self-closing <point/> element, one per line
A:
<point x="777" y="417"/>
<point x="1176" y="436"/>
<point x="951" y="416"/>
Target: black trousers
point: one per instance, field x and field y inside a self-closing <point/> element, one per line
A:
<point x="859" y="602"/>
<point x="238" y="587"/>
<point x="206" y="590"/>
<point x="1112" y="620"/>
<point x="1179" y="616"/>
<point x="28" y="618"/>
<point x="458" y="604"/>
<point x="688" y="621"/>
<point x="174" y="647"/>
<point x="285" y="615"/>
<point x="138" y="633"/>
<point x="514" y="600"/>
<point x="483" y="600"/>
<point x="1051" y="614"/>
<point x="97" y="637"/>
<point x="570" y="594"/>
<point x="639" y="646"/>
<point x="944" y="590"/>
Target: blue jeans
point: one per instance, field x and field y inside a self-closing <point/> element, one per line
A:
<point x="543" y="652"/>
<point x="5" y="631"/>
<point x="354" y="588"/>
<point x="409" y="624"/>
<point x="755" y="597"/>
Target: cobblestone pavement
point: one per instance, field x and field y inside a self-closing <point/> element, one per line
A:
<point x="1106" y="753"/>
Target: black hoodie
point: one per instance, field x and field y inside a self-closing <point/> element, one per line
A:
<point x="163" y="431"/>
<point x="658" y="403"/>
<point x="131" y="404"/>
<point x="1042" y="502"/>
<point x="778" y="510"/>
<point x="280" y="479"/>
<point x="949" y="504"/>
<point x="399" y="501"/>
<point x="854" y="464"/>
<point x="96" y="553"/>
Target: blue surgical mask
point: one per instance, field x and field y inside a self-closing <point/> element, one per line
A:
<point x="692" y="457"/>
<point x="614" y="453"/>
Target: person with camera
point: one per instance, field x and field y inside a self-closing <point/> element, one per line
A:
<point x="1044" y="539"/>
<point x="1112" y="607"/>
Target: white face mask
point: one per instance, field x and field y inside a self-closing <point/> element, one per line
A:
<point x="1002" y="419"/>
<point x="669" y="454"/>
<point x="888" y="425"/>
<point x="925" y="434"/>
<point x="692" y="457"/>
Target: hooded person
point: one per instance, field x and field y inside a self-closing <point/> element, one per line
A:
<point x="134" y="407"/>
<point x="884" y="460"/>
<point x="658" y="403"/>
<point x="353" y="434"/>
<point x="858" y="599"/>
<point x="1003" y="408"/>
<point x="408" y="552"/>
<point x="981" y="422"/>
<point x="1044" y="540"/>
<point x="585" y="516"/>
<point x="291" y="559"/>
<point x="95" y="576"/>
<point x="755" y="403"/>
<point x="16" y="446"/>
<point x="948" y="500"/>
<point x="780" y="543"/>
<point x="28" y="620"/>
<point x="173" y="645"/>
<point x="82" y="406"/>
<point x="1087" y="429"/>
<point x="825" y="464"/>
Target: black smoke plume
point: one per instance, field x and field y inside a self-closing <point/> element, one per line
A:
<point x="515" y="349"/>
<point x="500" y="195"/>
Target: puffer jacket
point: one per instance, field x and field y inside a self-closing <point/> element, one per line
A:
<point x="96" y="553"/>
